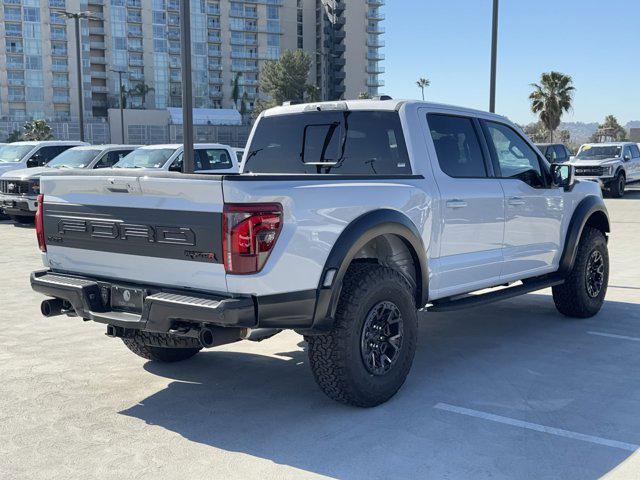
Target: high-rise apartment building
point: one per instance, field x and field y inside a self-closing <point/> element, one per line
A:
<point x="231" y="39"/>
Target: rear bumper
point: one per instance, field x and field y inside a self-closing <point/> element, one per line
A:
<point x="166" y="309"/>
<point x="162" y="310"/>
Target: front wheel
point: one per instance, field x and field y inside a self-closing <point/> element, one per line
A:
<point x="582" y="294"/>
<point x="367" y="356"/>
<point x="618" y="186"/>
<point x="163" y="348"/>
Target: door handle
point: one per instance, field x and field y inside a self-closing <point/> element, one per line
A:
<point x="516" y="201"/>
<point x="456" y="203"/>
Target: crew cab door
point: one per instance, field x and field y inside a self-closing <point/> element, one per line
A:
<point x="533" y="209"/>
<point x="633" y="164"/>
<point x="471" y="207"/>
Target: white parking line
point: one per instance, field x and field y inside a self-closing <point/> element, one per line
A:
<point x="613" y="335"/>
<point x="538" y="428"/>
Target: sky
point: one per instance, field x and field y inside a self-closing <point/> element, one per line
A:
<point x="597" y="42"/>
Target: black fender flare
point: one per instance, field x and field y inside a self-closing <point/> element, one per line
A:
<point x="357" y="234"/>
<point x="590" y="210"/>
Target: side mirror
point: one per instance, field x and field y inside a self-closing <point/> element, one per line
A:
<point x="175" y="167"/>
<point x="34" y="161"/>
<point x="627" y="158"/>
<point x="563" y="175"/>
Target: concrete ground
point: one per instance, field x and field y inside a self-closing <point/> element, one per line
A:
<point x="508" y="391"/>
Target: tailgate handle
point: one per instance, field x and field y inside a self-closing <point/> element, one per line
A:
<point x="117" y="185"/>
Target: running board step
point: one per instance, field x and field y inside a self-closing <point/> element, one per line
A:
<point x="468" y="301"/>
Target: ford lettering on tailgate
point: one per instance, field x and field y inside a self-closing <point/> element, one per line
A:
<point x="186" y="235"/>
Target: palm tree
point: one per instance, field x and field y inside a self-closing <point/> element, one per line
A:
<point x="141" y="90"/>
<point x="423" y="83"/>
<point x="551" y="98"/>
<point x="364" y="96"/>
<point x="37" y="130"/>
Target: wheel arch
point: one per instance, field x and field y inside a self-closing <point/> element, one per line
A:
<point x="384" y="235"/>
<point x="590" y="212"/>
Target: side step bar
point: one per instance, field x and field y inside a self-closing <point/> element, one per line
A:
<point x="467" y="301"/>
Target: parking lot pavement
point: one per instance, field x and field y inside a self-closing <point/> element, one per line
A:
<point x="510" y="390"/>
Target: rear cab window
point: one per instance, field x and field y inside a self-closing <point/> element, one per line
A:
<point x="355" y="142"/>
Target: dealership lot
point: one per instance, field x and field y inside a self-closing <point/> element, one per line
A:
<point x="510" y="390"/>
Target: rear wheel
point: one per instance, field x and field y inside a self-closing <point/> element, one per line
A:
<point x="159" y="347"/>
<point x="367" y="356"/>
<point x="618" y="185"/>
<point x="22" y="219"/>
<point x="582" y="294"/>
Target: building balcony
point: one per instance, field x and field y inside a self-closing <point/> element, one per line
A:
<point x="249" y="55"/>
<point x="216" y="81"/>
<point x="375" y="30"/>
<point x="16" y="98"/>
<point x="216" y="95"/>
<point x="377" y="43"/>
<point x="339" y="75"/>
<point x="98" y="60"/>
<point x="338" y="48"/>
<point x="339" y="34"/>
<point x="61" y="99"/>
<point x="98" y="74"/>
<point x="95" y="2"/>
<point x="97" y="45"/>
<point x="134" y="33"/>
<point x="15" y="82"/>
<point x="243" y="13"/>
<point x="136" y="76"/>
<point x="375" y="56"/>
<point x="375" y="70"/>
<point x="96" y="31"/>
<point x="375" y="3"/>
<point x="99" y="89"/>
<point x="375" y="83"/>
<point x="338" y="88"/>
<point x="59" y="52"/>
<point x="58" y="4"/>
<point x="375" y="16"/>
<point x="339" y="22"/>
<point x="59" y="68"/>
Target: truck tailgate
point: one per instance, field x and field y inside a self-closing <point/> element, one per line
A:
<point x="144" y="229"/>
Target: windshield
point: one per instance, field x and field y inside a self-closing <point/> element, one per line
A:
<point x="73" y="159"/>
<point x="146" y="158"/>
<point x="13" y="153"/>
<point x="595" y="152"/>
<point x="329" y="142"/>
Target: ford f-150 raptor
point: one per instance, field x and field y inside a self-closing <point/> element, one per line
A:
<point x="347" y="218"/>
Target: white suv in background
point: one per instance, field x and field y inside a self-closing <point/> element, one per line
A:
<point x="208" y="158"/>
<point x="17" y="155"/>
<point x="612" y="165"/>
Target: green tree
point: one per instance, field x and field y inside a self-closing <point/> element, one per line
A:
<point x="610" y="131"/>
<point x="15" y="136"/>
<point x="551" y="98"/>
<point x="37" y="130"/>
<point x="124" y="93"/>
<point x="243" y="105"/>
<point x="285" y="79"/>
<point x="364" y="96"/>
<point x="538" y="133"/>
<point x="423" y="83"/>
<point x="141" y="90"/>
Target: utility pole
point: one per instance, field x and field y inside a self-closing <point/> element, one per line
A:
<point x="76" y="19"/>
<point x="187" y="99"/>
<point x="494" y="57"/>
<point x="121" y="103"/>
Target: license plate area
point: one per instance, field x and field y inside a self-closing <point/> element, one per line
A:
<point x="127" y="299"/>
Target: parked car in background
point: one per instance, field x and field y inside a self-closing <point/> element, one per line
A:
<point x="612" y="165"/>
<point x="209" y="158"/>
<point x="17" y="155"/>
<point x="554" y="152"/>
<point x="19" y="189"/>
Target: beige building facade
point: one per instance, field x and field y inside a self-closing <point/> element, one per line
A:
<point x="231" y="40"/>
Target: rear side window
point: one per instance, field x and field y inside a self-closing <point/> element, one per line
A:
<point x="635" y="152"/>
<point x="212" y="159"/>
<point x="337" y="142"/>
<point x="457" y="146"/>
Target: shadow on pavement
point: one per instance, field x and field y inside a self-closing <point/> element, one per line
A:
<point x="517" y="358"/>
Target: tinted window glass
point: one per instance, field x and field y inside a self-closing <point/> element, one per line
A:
<point x="457" y="146"/>
<point x="49" y="153"/>
<point x="212" y="159"/>
<point x="111" y="158"/>
<point x="516" y="158"/>
<point x="635" y="151"/>
<point x="346" y="143"/>
<point x="561" y="154"/>
<point x="146" y="158"/>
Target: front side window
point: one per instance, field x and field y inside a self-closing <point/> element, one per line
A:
<point x="329" y="142"/>
<point x="515" y="158"/>
<point x="457" y="146"/>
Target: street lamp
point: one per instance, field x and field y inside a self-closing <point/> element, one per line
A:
<point x="76" y="18"/>
<point x="494" y="57"/>
<point x="121" y="102"/>
<point x="187" y="99"/>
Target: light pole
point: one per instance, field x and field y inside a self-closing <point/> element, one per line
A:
<point x="76" y="19"/>
<point x="121" y="102"/>
<point x="187" y="99"/>
<point x="494" y="57"/>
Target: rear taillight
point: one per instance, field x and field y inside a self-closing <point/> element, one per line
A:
<point x="40" y="224"/>
<point x="249" y="234"/>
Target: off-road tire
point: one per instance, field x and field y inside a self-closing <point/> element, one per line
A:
<point x="23" y="219"/>
<point x="336" y="358"/>
<point x="572" y="298"/>
<point x="159" y="347"/>
<point x="618" y="185"/>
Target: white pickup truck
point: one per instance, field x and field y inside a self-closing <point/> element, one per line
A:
<point x="347" y="218"/>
